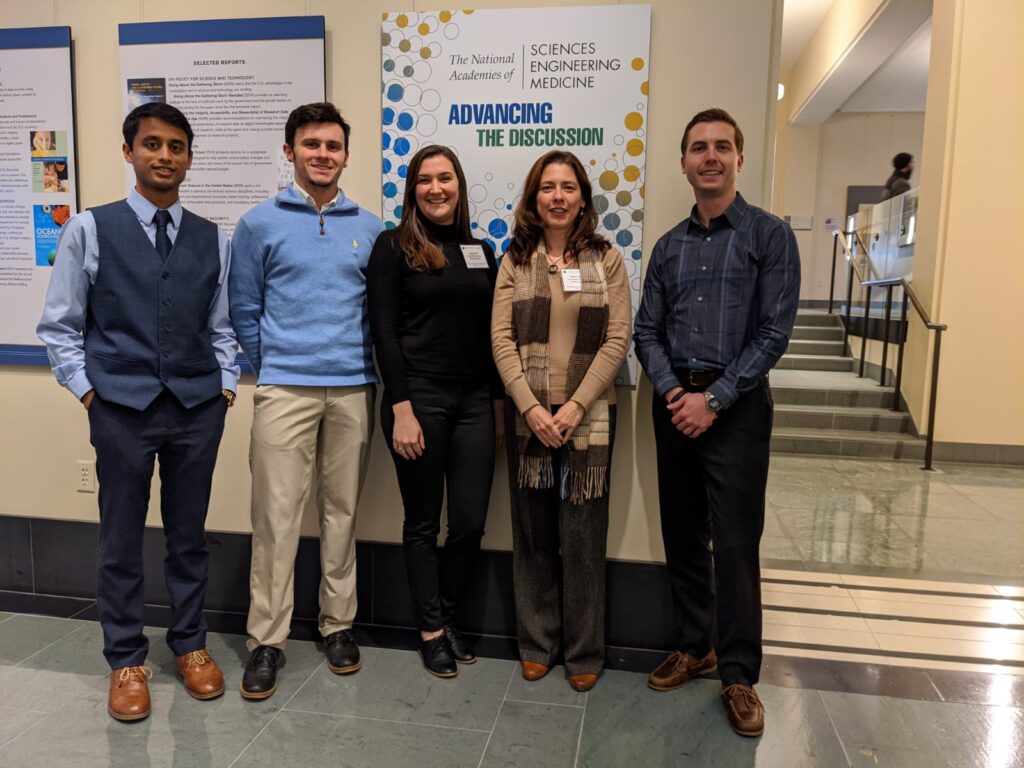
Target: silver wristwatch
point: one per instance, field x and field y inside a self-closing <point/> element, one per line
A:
<point x="712" y="402"/>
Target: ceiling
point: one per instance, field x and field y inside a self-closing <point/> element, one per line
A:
<point x="888" y="75"/>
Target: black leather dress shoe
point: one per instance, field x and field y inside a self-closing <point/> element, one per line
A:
<point x="437" y="658"/>
<point x="260" y="678"/>
<point x="342" y="653"/>
<point x="459" y="647"/>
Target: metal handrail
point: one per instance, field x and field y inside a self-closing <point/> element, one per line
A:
<point x="908" y="294"/>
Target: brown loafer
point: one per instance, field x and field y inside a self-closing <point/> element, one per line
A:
<point x="679" y="668"/>
<point x="129" y="694"/>
<point x="582" y="683"/>
<point x="746" y="712"/>
<point x="534" y="671"/>
<point x="203" y="678"/>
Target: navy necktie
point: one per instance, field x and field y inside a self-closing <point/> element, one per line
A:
<point x="163" y="242"/>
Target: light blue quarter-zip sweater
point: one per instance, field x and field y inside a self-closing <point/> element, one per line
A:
<point x="297" y="290"/>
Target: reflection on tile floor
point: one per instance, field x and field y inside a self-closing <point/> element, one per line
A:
<point x="960" y="521"/>
<point x="392" y="713"/>
<point x="894" y="630"/>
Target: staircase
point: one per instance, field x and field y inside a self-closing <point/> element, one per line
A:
<point x="823" y="409"/>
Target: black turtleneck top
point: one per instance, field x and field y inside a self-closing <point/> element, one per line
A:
<point x="436" y="325"/>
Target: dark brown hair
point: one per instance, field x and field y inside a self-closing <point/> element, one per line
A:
<point x="318" y="112"/>
<point x="422" y="252"/>
<point x="714" y="115"/>
<point x="528" y="231"/>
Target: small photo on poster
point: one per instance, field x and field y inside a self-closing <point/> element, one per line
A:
<point x="48" y="143"/>
<point x="50" y="174"/>
<point x="47" y="221"/>
<point x="146" y="90"/>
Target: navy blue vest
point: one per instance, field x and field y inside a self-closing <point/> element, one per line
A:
<point x="147" y="322"/>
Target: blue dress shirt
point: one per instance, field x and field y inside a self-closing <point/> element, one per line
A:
<point x="721" y="298"/>
<point x="67" y="298"/>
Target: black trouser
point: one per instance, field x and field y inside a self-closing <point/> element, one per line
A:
<point x="711" y="489"/>
<point x="458" y="428"/>
<point x="126" y="443"/>
<point x="558" y="562"/>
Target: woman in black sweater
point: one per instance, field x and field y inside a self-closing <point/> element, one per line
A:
<point x="429" y="290"/>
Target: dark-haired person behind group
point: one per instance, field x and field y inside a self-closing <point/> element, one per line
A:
<point x="429" y="291"/>
<point x="560" y="331"/>
<point x="136" y="327"/>
<point x="899" y="181"/>
<point x="298" y="303"/>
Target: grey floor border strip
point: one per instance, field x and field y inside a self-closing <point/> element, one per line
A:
<point x="895" y="654"/>
<point x="891" y="617"/>
<point x="899" y="590"/>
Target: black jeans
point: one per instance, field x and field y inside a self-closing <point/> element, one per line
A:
<point x="127" y="442"/>
<point x="458" y="428"/>
<point x="558" y="566"/>
<point x="711" y="490"/>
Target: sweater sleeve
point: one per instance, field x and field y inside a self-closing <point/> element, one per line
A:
<point x="384" y="301"/>
<point x="609" y="357"/>
<point x="503" y="341"/>
<point x="496" y="384"/>
<point x="245" y="291"/>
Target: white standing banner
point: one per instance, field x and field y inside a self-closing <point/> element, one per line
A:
<point x="236" y="80"/>
<point x="38" y="189"/>
<point x="502" y="87"/>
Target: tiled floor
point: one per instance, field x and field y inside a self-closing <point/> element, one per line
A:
<point x="894" y="631"/>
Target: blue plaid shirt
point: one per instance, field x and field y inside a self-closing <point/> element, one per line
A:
<point x="722" y="298"/>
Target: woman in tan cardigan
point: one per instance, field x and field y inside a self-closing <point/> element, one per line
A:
<point x="559" y="331"/>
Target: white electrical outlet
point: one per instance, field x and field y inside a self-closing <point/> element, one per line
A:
<point x="86" y="480"/>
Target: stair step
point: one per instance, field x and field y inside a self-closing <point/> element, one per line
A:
<point x="841" y="442"/>
<point x="861" y="419"/>
<point x="812" y="317"/>
<point x="816" y="347"/>
<point x="818" y="332"/>
<point x="815" y="362"/>
<point x="836" y="397"/>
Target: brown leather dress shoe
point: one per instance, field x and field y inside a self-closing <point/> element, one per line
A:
<point x="203" y="678"/>
<point x="680" y="668"/>
<point x="582" y="683"/>
<point x="746" y="712"/>
<point x="534" y="671"/>
<point x="129" y="693"/>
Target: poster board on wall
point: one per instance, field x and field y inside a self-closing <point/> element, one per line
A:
<point x="236" y="80"/>
<point x="501" y="88"/>
<point x="38" y="177"/>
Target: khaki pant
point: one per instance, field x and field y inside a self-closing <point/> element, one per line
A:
<point x="293" y="429"/>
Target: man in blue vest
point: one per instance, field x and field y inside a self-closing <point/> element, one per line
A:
<point x="136" y="326"/>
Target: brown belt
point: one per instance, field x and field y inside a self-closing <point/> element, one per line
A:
<point x="696" y="381"/>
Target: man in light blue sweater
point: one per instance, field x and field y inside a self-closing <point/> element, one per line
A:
<point x="297" y="291"/>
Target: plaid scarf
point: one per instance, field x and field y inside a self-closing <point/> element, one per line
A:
<point x="587" y="455"/>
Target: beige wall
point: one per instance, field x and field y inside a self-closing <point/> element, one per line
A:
<point x="44" y="428"/>
<point x="839" y="30"/>
<point x="816" y="163"/>
<point x="969" y="263"/>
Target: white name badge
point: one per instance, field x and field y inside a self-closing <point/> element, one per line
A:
<point x="572" y="282"/>
<point x="474" y="256"/>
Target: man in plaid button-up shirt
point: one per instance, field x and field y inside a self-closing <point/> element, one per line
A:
<point x="719" y="302"/>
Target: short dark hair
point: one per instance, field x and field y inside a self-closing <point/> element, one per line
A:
<point x="165" y="112"/>
<point x="318" y="112"/>
<point x="713" y="115"/>
<point x="902" y="160"/>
